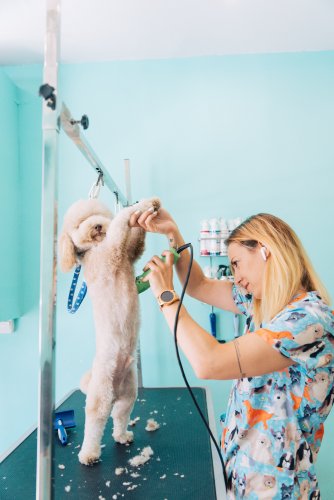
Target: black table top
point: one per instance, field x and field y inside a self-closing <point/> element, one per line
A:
<point x="181" y="467"/>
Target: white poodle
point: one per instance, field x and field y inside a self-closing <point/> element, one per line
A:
<point x="107" y="247"/>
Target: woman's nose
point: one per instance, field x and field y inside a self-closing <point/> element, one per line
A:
<point x="237" y="278"/>
<point x="235" y="274"/>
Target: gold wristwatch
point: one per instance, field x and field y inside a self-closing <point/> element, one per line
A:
<point x="167" y="297"/>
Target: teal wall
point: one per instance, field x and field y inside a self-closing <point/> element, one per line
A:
<point x="213" y="136"/>
<point x="10" y="297"/>
<point x="19" y="352"/>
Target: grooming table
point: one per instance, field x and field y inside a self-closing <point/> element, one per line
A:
<point x="184" y="465"/>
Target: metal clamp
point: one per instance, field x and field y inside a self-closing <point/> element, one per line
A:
<point x="47" y="92"/>
<point x="84" y="122"/>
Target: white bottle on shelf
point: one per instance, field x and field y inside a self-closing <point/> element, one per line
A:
<point x="215" y="237"/>
<point x="224" y="232"/>
<point x="230" y="225"/>
<point x="237" y="221"/>
<point x="204" y="238"/>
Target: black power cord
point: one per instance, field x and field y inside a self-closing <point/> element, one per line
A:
<point x="179" y="250"/>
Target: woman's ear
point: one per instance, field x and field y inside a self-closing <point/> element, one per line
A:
<point x="66" y="253"/>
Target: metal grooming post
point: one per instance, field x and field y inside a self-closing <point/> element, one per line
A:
<point x="72" y="129"/>
<point x="48" y="266"/>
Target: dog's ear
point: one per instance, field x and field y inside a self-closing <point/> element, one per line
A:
<point x="66" y="253"/>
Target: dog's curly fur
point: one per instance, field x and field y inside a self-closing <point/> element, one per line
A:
<point x="107" y="247"/>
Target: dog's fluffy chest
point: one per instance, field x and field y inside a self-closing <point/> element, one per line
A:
<point x="101" y="272"/>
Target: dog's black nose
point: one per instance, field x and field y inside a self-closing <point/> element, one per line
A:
<point x="98" y="227"/>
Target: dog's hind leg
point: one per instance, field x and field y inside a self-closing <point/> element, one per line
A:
<point x="127" y="394"/>
<point x="98" y="406"/>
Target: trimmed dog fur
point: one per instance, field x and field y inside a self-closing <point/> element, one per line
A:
<point x="107" y="247"/>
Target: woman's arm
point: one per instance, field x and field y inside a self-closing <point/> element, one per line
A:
<point x="248" y="356"/>
<point x="212" y="360"/>
<point x="213" y="292"/>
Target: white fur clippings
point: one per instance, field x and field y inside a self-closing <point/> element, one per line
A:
<point x="152" y="425"/>
<point x="141" y="459"/>
<point x="107" y="248"/>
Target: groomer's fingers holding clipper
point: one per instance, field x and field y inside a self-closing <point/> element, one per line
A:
<point x="161" y="275"/>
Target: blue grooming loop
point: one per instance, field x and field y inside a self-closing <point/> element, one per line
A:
<point x="81" y="295"/>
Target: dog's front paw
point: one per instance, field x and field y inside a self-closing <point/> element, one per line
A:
<point x="156" y="204"/>
<point x="125" y="437"/>
<point x="89" y="457"/>
<point x="147" y="204"/>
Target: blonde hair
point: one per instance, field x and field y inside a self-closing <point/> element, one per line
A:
<point x="288" y="268"/>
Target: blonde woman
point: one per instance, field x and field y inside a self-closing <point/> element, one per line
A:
<point x="282" y="366"/>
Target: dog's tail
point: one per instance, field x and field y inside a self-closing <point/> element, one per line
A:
<point x="85" y="381"/>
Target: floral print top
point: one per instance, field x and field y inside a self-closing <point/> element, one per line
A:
<point x="275" y="422"/>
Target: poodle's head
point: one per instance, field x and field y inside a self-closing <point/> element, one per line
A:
<point x="85" y="225"/>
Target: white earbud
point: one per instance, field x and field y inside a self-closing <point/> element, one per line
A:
<point x="263" y="253"/>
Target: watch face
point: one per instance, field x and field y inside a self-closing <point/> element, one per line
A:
<point x="167" y="296"/>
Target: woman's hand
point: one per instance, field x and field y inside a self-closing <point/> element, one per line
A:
<point x="154" y="222"/>
<point x="161" y="275"/>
